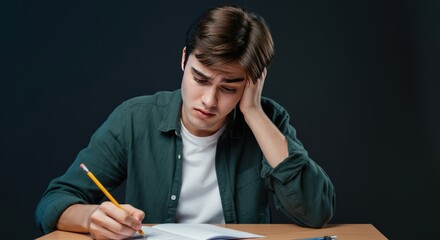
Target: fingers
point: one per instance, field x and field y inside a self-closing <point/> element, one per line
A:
<point x="251" y="98"/>
<point x="257" y="86"/>
<point x="111" y="222"/>
<point x="134" y="212"/>
<point x="263" y="75"/>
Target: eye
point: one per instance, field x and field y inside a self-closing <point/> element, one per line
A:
<point x="199" y="80"/>
<point x="229" y="89"/>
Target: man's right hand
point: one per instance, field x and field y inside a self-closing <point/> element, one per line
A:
<point x="105" y="221"/>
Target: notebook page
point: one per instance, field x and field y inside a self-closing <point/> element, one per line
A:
<point x="204" y="231"/>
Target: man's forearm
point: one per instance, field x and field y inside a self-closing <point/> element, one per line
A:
<point x="271" y="141"/>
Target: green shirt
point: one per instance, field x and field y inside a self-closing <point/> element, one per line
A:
<point x="140" y="142"/>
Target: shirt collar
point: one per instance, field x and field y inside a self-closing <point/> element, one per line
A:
<point x="171" y="119"/>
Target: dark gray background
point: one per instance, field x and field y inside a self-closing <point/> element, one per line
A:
<point x="359" y="78"/>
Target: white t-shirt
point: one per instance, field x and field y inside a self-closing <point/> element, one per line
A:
<point x="199" y="196"/>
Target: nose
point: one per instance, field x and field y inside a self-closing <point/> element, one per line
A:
<point x="209" y="98"/>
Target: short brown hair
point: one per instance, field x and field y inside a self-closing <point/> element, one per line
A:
<point x="230" y="33"/>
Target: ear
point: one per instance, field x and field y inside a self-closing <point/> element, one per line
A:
<point x="182" y="64"/>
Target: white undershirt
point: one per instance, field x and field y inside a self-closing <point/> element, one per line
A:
<point x="199" y="200"/>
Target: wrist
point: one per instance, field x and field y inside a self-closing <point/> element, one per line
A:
<point x="251" y="114"/>
<point x="76" y="218"/>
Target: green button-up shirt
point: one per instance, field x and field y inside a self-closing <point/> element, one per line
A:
<point x="140" y="142"/>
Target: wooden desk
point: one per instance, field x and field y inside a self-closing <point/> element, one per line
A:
<point x="273" y="231"/>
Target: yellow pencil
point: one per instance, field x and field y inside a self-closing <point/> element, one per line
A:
<point x="109" y="196"/>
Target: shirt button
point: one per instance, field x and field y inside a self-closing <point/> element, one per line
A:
<point x="178" y="156"/>
<point x="173" y="197"/>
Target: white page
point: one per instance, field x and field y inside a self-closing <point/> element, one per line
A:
<point x="204" y="231"/>
<point x="156" y="234"/>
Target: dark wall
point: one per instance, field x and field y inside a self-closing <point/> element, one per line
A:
<point x="360" y="80"/>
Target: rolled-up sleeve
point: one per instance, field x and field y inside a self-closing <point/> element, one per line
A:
<point x="302" y="189"/>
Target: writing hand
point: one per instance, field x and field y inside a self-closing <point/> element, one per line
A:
<point x="111" y="222"/>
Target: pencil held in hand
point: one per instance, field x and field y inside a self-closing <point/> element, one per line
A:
<point x="107" y="194"/>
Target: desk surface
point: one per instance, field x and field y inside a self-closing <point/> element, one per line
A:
<point x="273" y="231"/>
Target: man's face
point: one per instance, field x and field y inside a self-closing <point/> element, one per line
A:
<point x="209" y="94"/>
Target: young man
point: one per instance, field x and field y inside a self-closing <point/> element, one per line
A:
<point x="206" y="153"/>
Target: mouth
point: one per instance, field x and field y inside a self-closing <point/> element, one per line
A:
<point x="203" y="113"/>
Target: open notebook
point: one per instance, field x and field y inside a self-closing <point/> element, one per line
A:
<point x="174" y="231"/>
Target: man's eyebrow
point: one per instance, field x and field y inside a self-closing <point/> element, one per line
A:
<point x="233" y="80"/>
<point x="200" y="74"/>
<point x="227" y="80"/>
